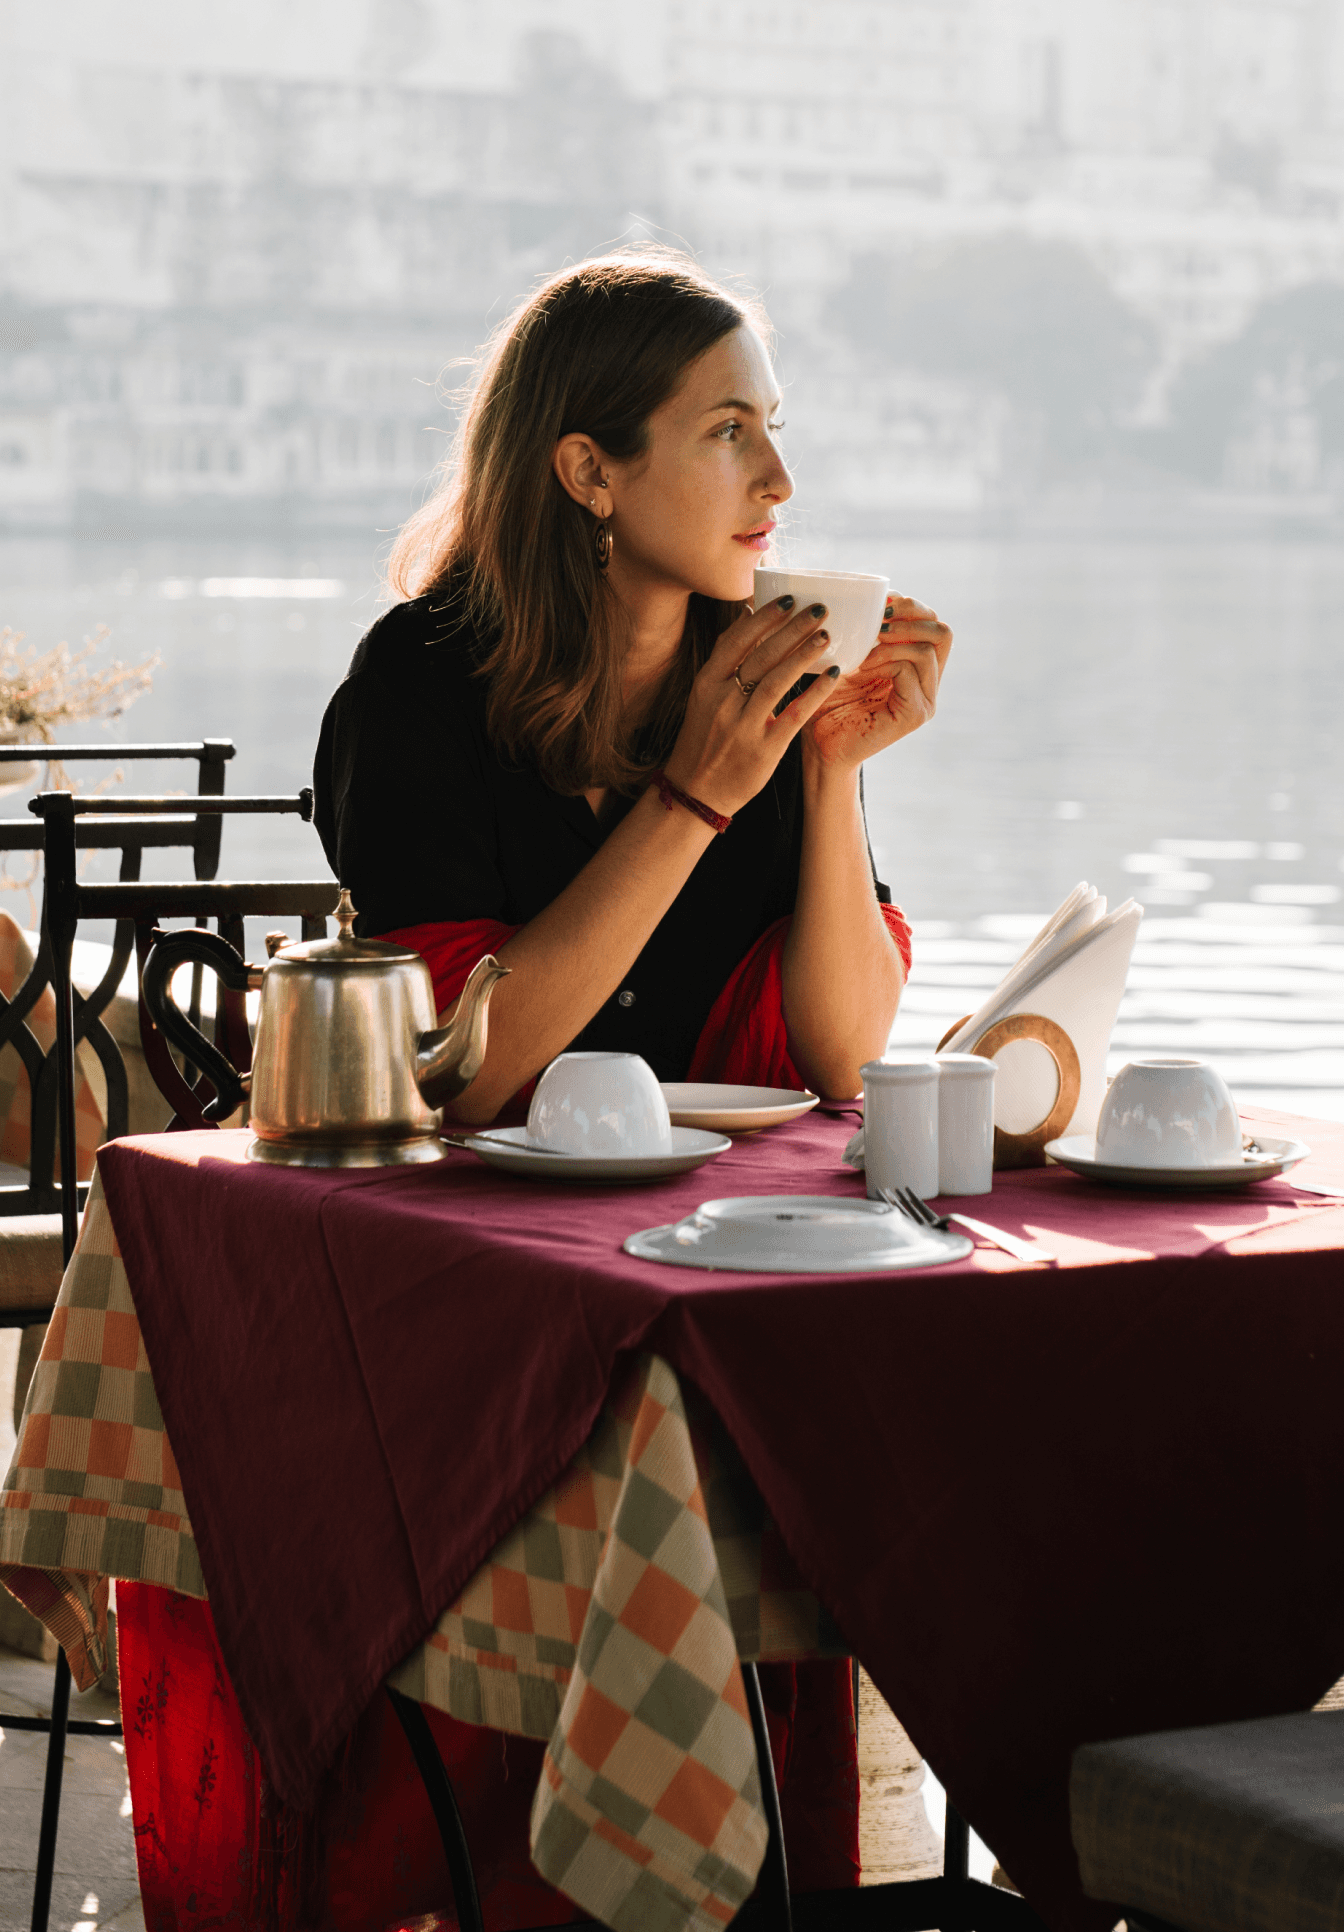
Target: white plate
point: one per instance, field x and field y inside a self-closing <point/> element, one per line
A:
<point x="733" y="1110"/>
<point x="797" y="1234"/>
<point x="507" y="1148"/>
<point x="1079" y="1151"/>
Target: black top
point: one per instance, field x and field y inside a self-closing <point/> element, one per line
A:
<point x="424" y="821"/>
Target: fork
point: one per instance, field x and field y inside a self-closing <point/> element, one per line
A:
<point x="907" y="1202"/>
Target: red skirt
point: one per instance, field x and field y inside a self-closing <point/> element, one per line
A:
<point x="215" y="1849"/>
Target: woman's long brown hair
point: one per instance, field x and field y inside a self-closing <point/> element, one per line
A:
<point x="595" y="351"/>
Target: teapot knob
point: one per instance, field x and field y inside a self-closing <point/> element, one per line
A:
<point x="345" y="915"/>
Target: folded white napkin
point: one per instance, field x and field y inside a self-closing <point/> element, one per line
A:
<point x="1073" y="972"/>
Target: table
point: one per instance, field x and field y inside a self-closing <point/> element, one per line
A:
<point x="1043" y="1504"/>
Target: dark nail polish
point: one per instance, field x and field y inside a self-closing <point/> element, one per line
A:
<point x="785" y="602"/>
<point x="818" y="610"/>
<point x="834" y="671"/>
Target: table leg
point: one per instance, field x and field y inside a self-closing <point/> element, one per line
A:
<point x="772" y="1887"/>
<point x="443" y="1803"/>
<point x="956" y="1846"/>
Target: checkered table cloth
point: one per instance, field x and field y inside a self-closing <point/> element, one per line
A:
<point x="610" y="1621"/>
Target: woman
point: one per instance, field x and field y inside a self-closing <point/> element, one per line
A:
<point x="576" y="745"/>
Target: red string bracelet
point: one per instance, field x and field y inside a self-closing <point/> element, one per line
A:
<point x="673" y="795"/>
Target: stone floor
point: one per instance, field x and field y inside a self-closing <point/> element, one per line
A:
<point x="95" y="1884"/>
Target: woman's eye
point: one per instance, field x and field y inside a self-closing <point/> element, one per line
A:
<point x="728" y="431"/>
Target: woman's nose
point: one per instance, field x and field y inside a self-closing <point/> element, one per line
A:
<point x="777" y="483"/>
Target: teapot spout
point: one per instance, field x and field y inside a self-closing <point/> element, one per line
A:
<point x="449" y="1059"/>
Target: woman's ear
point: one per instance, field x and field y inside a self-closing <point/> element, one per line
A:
<point x="583" y="473"/>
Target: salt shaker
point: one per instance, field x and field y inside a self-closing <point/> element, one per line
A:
<point x="900" y="1125"/>
<point x="965" y="1123"/>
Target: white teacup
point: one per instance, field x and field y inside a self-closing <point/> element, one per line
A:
<point x="854" y="605"/>
<point x="1168" y="1113"/>
<point x="599" y="1104"/>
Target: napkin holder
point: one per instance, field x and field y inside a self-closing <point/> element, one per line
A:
<point x="1028" y="1149"/>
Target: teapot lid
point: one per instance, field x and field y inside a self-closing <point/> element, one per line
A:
<point x="345" y="949"/>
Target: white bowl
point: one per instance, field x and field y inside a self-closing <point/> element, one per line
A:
<point x="1168" y="1113"/>
<point x="854" y="605"/>
<point x="599" y="1104"/>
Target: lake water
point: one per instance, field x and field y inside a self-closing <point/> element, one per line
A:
<point x="1161" y="719"/>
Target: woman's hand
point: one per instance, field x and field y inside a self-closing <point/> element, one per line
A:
<point x="892" y="693"/>
<point x="731" y="741"/>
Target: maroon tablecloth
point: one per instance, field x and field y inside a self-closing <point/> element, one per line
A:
<point x="1046" y="1504"/>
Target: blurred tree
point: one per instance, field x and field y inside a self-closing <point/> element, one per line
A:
<point x="1293" y="350"/>
<point x="1032" y="321"/>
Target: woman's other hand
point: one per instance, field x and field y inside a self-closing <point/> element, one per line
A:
<point x="892" y="693"/>
<point x="731" y="740"/>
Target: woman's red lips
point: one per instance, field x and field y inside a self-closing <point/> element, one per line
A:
<point x="757" y="538"/>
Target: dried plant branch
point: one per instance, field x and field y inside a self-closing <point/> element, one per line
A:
<point x="40" y="690"/>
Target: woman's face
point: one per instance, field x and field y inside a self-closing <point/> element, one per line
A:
<point x="696" y="509"/>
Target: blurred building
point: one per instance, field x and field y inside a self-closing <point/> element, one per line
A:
<point x="237" y="252"/>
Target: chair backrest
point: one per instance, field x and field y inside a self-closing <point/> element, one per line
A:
<point x="201" y="834"/>
<point x="139" y="907"/>
<point x="129" y="833"/>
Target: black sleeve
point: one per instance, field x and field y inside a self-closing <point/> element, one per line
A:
<point x="401" y="801"/>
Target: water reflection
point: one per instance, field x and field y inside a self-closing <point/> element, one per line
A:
<point x="1157" y="718"/>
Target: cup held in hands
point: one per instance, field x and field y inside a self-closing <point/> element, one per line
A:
<point x="854" y="606"/>
<point x="599" y="1104"/>
<point x="1168" y="1113"/>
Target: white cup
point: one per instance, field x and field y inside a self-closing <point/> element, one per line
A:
<point x="900" y="1126"/>
<point x="965" y="1123"/>
<point x="599" y="1104"/>
<point x="1168" y="1113"/>
<point x="854" y="605"/>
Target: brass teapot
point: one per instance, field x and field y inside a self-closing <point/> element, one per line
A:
<point x="349" y="1068"/>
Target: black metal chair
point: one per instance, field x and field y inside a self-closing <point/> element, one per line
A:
<point x="32" y="1257"/>
<point x="69" y="823"/>
<point x="31" y="1262"/>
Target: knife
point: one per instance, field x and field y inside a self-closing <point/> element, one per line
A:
<point x="1010" y="1243"/>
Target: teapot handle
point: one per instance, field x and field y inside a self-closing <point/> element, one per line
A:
<point x="169" y="951"/>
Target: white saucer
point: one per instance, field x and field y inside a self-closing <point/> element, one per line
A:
<point x="507" y="1148"/>
<point x="733" y="1110"/>
<point x="798" y="1234"/>
<point x="1079" y="1151"/>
